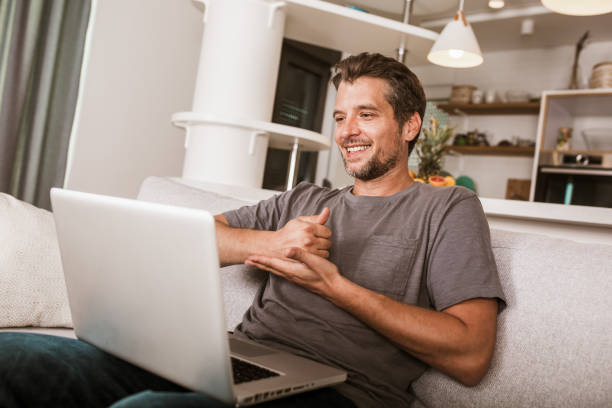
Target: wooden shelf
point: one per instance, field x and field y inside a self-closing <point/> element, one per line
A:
<point x="494" y="150"/>
<point x="518" y="108"/>
<point x="591" y="152"/>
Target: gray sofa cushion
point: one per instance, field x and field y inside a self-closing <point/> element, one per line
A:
<point x="554" y="341"/>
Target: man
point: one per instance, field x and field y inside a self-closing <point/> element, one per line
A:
<point x="382" y="279"/>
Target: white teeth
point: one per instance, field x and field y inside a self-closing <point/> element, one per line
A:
<point x="356" y="149"/>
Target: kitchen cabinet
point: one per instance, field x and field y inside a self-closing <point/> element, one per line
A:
<point x="580" y="173"/>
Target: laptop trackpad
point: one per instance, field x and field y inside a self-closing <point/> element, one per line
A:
<point x="248" y="349"/>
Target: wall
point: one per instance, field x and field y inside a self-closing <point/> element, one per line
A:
<point x="141" y="63"/>
<point x="533" y="71"/>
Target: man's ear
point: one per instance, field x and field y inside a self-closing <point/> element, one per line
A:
<point x="411" y="127"/>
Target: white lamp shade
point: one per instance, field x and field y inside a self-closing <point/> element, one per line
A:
<point x="579" y="7"/>
<point x="456" y="47"/>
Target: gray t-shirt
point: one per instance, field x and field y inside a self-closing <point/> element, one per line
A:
<point x="426" y="246"/>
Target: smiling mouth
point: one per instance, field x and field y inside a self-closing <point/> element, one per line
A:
<point x="356" y="149"/>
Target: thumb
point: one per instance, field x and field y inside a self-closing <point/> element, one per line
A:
<point x="324" y="216"/>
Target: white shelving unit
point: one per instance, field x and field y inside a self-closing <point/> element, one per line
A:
<point x="280" y="136"/>
<point x="229" y="130"/>
<point x="341" y="28"/>
<point x="577" y="109"/>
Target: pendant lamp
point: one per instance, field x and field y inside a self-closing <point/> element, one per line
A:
<point x="579" y="7"/>
<point x="456" y="47"/>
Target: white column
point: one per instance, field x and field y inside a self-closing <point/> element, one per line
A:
<point x="237" y="77"/>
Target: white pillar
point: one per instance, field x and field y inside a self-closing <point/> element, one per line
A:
<point x="237" y="77"/>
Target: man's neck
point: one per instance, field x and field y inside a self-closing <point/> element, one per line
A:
<point x="388" y="184"/>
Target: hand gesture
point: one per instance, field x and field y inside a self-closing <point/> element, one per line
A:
<point x="304" y="268"/>
<point x="308" y="233"/>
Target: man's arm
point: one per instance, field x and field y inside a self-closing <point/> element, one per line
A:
<point x="458" y="341"/>
<point x="308" y="232"/>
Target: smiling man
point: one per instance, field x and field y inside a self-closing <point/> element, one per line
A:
<point x="382" y="279"/>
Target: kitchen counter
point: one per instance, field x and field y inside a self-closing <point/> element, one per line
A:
<point x="576" y="222"/>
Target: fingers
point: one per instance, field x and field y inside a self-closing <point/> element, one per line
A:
<point x="323" y="217"/>
<point x="301" y="267"/>
<point x="322" y="253"/>
<point x="263" y="267"/>
<point x="308" y="232"/>
<point x="275" y="265"/>
<point x="318" y="246"/>
<point x="309" y="259"/>
<point x="322" y="231"/>
<point x="311" y="228"/>
<point x="322" y="243"/>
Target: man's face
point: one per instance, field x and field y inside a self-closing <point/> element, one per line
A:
<point x="367" y="133"/>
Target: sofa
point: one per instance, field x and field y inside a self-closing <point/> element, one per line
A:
<point x="554" y="340"/>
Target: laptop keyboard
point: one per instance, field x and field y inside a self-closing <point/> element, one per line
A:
<point x="245" y="372"/>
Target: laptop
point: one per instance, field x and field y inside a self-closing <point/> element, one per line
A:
<point x="143" y="284"/>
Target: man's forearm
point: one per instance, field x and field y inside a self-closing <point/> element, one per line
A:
<point x="235" y="245"/>
<point x="458" y="341"/>
<point x="306" y="232"/>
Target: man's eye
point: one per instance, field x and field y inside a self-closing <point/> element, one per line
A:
<point x="339" y="119"/>
<point x="366" y="115"/>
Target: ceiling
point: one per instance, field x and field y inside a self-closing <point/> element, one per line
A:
<point x="497" y="30"/>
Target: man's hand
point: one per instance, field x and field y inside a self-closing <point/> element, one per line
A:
<point x="301" y="267"/>
<point x="306" y="232"/>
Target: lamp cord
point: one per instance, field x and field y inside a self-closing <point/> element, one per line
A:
<point x="460" y="14"/>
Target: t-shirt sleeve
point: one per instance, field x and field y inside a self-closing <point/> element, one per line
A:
<point x="273" y="213"/>
<point x="265" y="215"/>
<point x="461" y="263"/>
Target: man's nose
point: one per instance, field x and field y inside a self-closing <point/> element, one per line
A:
<point x="351" y="126"/>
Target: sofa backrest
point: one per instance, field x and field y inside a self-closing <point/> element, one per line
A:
<point x="554" y="339"/>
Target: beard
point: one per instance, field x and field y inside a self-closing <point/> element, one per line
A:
<point x="373" y="169"/>
<point x="377" y="166"/>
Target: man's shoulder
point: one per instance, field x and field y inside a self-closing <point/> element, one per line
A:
<point x="306" y="189"/>
<point x="449" y="194"/>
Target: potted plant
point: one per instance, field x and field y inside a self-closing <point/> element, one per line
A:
<point x="430" y="150"/>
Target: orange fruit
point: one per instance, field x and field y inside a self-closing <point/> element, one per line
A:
<point x="437" y="181"/>
<point x="419" y="180"/>
<point x="411" y="173"/>
<point x="449" y="181"/>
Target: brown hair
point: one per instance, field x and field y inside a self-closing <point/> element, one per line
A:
<point x="406" y="95"/>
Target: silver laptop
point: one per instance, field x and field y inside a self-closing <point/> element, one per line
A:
<point x="143" y="284"/>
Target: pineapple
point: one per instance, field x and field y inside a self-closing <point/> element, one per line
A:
<point x="430" y="149"/>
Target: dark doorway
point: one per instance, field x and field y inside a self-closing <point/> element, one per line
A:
<point x="303" y="76"/>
